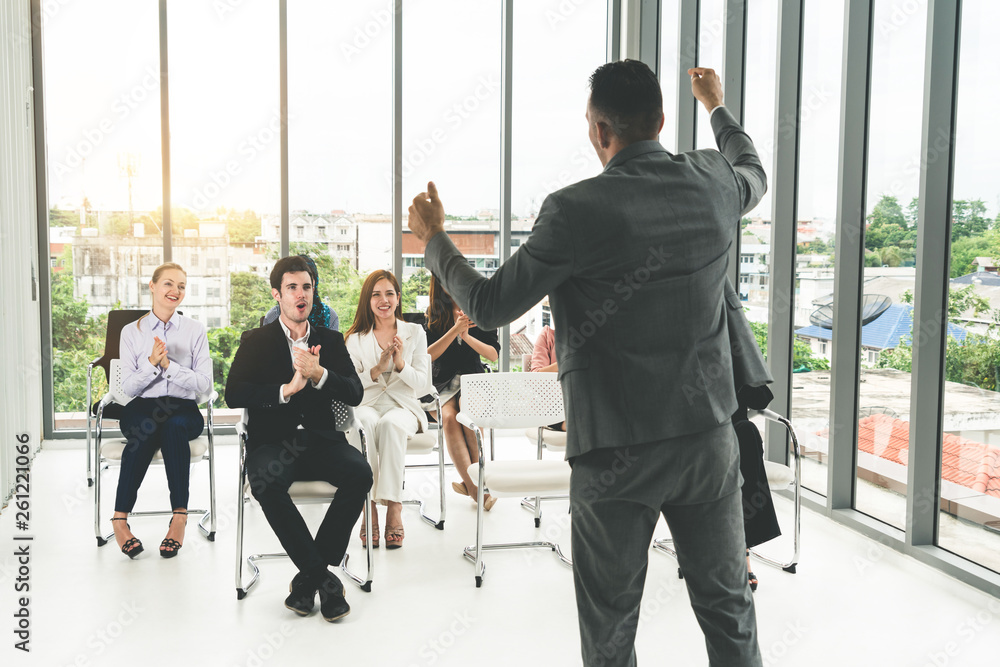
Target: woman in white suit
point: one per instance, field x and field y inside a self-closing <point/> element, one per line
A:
<point x="390" y="356"/>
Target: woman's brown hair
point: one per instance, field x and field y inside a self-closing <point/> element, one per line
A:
<point x="441" y="311"/>
<point x="157" y="274"/>
<point x="364" y="319"/>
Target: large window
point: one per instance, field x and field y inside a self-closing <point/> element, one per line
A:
<point x="669" y="70"/>
<point x="711" y="42"/>
<point x="550" y="144"/>
<point x="102" y="90"/>
<point x="969" y="521"/>
<point x="224" y="159"/>
<point x="890" y="258"/>
<point x="451" y="124"/>
<point x="340" y="144"/>
<point x="819" y="128"/>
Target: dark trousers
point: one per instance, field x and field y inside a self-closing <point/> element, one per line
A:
<point x="616" y="497"/>
<point x="148" y="424"/>
<point x="271" y="469"/>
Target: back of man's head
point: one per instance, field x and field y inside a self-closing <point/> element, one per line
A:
<point x="626" y="95"/>
<point x="292" y="264"/>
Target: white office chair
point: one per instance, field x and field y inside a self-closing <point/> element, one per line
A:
<point x="426" y="443"/>
<point x="553" y="441"/>
<point x="779" y="477"/>
<point x="108" y="454"/>
<point x="512" y="400"/>
<point x="302" y="493"/>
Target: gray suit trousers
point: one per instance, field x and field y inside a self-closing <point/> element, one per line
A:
<point x="616" y="496"/>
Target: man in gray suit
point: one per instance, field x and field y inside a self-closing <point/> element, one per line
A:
<point x="634" y="263"/>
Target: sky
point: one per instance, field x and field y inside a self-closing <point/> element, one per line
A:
<point x="102" y="99"/>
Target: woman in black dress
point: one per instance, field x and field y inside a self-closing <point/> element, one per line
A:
<point x="456" y="344"/>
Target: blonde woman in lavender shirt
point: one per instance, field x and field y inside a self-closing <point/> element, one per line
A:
<point x="165" y="364"/>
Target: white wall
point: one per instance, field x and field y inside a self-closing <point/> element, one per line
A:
<point x="20" y="347"/>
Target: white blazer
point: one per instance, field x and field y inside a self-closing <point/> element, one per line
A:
<point x="405" y="386"/>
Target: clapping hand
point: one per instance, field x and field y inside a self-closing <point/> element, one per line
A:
<point x="397" y="354"/>
<point x="306" y="363"/>
<point x="385" y="361"/>
<point x="462" y="325"/>
<point x="158" y="357"/>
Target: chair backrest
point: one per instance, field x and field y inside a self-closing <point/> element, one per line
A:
<point x="344" y="415"/>
<point x="415" y="318"/>
<point x="512" y="400"/>
<point x="117" y="319"/>
<point x="117" y="393"/>
<point x="115" y="383"/>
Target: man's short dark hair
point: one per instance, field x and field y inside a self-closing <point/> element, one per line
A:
<point x="292" y="264"/>
<point x="627" y="94"/>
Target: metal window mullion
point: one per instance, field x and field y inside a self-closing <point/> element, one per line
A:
<point x="850" y="243"/>
<point x="42" y="219"/>
<point x="734" y="85"/>
<point x="506" y="146"/>
<point x="614" y="43"/>
<point x="166" y="231"/>
<point x="688" y="26"/>
<point x="930" y="314"/>
<point x="283" y="114"/>
<point x="649" y="34"/>
<point x="397" y="138"/>
<point x="785" y="181"/>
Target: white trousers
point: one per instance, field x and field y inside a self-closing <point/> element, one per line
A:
<point x="387" y="428"/>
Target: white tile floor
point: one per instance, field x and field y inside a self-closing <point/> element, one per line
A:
<point x="852" y="602"/>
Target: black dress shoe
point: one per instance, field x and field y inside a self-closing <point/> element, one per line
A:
<point x="302" y="594"/>
<point x="332" y="603"/>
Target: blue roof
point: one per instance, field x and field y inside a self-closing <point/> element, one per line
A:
<point x="980" y="278"/>
<point x="885" y="331"/>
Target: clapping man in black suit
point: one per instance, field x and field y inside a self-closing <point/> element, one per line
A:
<point x="288" y="374"/>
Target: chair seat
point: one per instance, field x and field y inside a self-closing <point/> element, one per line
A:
<point x="524" y="478"/>
<point x="314" y="489"/>
<point x="554" y="440"/>
<point x="112" y="450"/>
<point x="778" y="475"/>
<point x="421" y="443"/>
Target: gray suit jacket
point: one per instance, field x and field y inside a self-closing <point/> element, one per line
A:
<point x="634" y="263"/>
<point x="749" y="367"/>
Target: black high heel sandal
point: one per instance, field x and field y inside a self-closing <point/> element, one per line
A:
<point x="169" y="546"/>
<point x="132" y="546"/>
<point x="751" y="577"/>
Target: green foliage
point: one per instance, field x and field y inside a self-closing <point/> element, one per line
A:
<point x="418" y="284"/>
<point x="77" y="339"/>
<point x="965" y="250"/>
<point x="339" y="282"/>
<point x="974" y="361"/>
<point x="962" y="300"/>
<point x="251" y="298"/>
<point x="223" y="343"/>
<point x="243" y="226"/>
<point x="968" y="218"/>
<point x="60" y="218"/>
<point x="803" y="358"/>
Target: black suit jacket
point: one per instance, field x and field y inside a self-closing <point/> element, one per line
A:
<point x="263" y="363"/>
